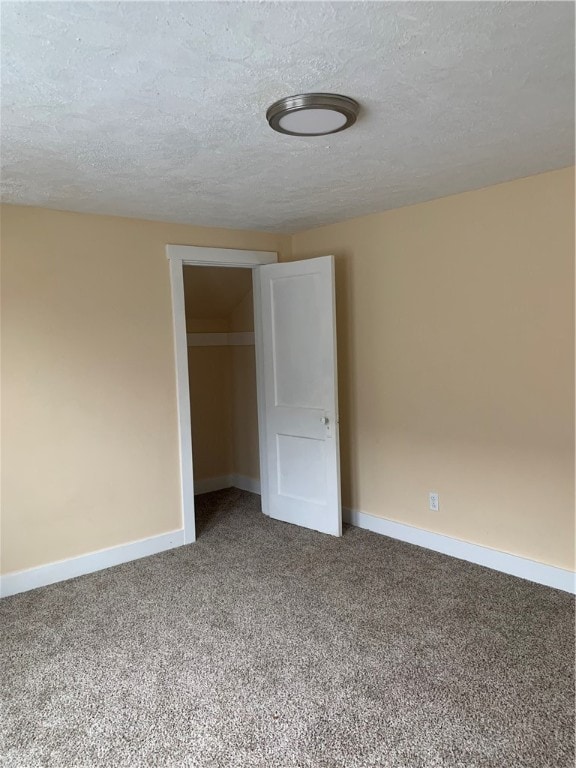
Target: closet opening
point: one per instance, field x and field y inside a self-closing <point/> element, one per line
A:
<point x="219" y="308"/>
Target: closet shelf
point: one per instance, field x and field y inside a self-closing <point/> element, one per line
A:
<point x="232" y="339"/>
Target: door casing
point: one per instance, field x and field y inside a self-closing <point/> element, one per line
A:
<point x="180" y="256"/>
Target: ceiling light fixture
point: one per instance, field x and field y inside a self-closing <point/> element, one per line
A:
<point x="312" y="114"/>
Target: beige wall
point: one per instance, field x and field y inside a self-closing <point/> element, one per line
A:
<point x="209" y="379"/>
<point x="223" y="399"/>
<point x="211" y="404"/>
<point x="456" y="357"/>
<point x="246" y="457"/>
<point x="456" y="351"/>
<point x="207" y="325"/>
<point x="89" y="429"/>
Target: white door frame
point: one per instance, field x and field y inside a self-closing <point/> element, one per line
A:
<point x="180" y="256"/>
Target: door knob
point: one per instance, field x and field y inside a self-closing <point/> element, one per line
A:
<point x="324" y="419"/>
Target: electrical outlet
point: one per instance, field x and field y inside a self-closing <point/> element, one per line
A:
<point x="433" y="502"/>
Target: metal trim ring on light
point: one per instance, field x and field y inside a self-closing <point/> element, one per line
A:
<point x="334" y="101"/>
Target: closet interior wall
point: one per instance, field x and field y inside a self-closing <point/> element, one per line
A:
<point x="222" y="376"/>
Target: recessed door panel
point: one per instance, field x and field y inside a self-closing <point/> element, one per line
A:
<point x="301" y="468"/>
<point x="298" y="369"/>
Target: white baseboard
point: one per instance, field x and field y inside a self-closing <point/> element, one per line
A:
<point x="212" y="484"/>
<point x="549" y="575"/>
<point x="226" y="481"/>
<point x="245" y="483"/>
<point x="22" y="581"/>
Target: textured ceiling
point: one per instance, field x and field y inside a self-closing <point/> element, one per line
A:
<point x="213" y="292"/>
<point x="156" y="110"/>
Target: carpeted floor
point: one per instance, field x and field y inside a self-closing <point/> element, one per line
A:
<point x="268" y="645"/>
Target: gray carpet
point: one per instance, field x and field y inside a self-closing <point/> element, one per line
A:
<point x="265" y="644"/>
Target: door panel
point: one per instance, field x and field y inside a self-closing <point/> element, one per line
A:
<point x="300" y="394"/>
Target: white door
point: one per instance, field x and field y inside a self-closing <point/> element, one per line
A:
<point x="300" y="409"/>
